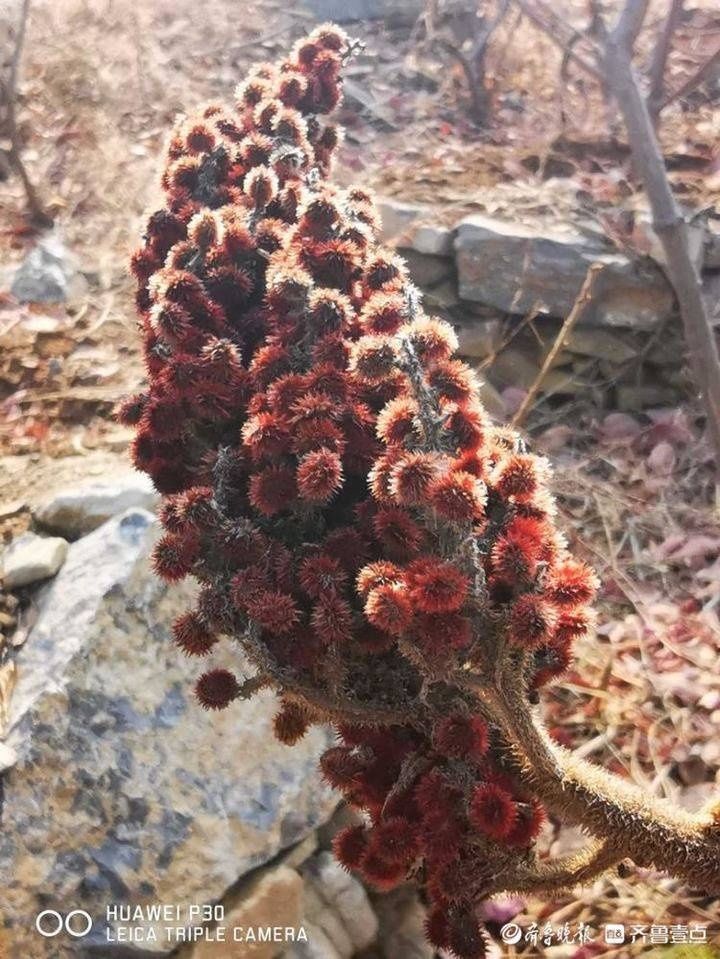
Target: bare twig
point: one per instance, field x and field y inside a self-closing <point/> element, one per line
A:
<point x="475" y="84"/>
<point x="473" y="64"/>
<point x="656" y="72"/>
<point x="693" y="82"/>
<point x="547" y="23"/>
<point x="667" y="219"/>
<point x="583" y="300"/>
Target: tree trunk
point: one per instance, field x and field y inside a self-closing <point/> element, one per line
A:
<point x="670" y="228"/>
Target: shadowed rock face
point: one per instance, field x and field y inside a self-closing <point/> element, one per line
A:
<point x="516" y="270"/>
<point x="125" y="791"/>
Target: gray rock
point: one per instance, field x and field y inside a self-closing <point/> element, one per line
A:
<point x="125" y="790"/>
<point x="601" y="344"/>
<point x="514" y="269"/>
<point x="340" y="907"/>
<point x="411" y="226"/>
<point x="31" y="558"/>
<point x="319" y="914"/>
<point x="711" y="260"/>
<point x="78" y="510"/>
<point x="427" y="271"/>
<point x="47" y="274"/>
<point x="395" y="12"/>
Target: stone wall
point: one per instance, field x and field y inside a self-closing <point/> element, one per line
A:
<point x="507" y="287"/>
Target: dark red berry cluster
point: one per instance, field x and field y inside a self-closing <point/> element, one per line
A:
<point x="356" y="522"/>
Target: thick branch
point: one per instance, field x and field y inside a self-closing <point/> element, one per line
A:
<point x="650" y="831"/>
<point x="629" y="24"/>
<point x="562" y="874"/>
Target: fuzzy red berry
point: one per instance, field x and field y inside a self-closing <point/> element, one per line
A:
<point x="389" y="608"/>
<point x="462" y="737"/>
<point x="217" y="688"/>
<point x="319" y="476"/>
<point x="291" y="723"/>
<point x="192" y="635"/>
<point x="350" y="845"/>
<point x="458" y="496"/>
<point x="436" y="586"/>
<point x="493" y="810"/>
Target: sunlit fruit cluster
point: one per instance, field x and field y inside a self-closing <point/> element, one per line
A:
<point x="358" y="526"/>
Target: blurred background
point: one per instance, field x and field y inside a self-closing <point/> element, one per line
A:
<point x="502" y="173"/>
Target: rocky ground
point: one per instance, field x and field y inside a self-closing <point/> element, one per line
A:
<point x="115" y="787"/>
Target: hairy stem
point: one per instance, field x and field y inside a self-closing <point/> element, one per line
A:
<point x="562" y="874"/>
<point x="650" y="831"/>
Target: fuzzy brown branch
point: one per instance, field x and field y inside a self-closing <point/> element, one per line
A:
<point x="563" y="874"/>
<point x="650" y="831"/>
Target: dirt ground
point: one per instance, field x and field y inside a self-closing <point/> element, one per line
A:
<point x="103" y="82"/>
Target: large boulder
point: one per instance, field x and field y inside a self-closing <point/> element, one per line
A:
<point x="125" y="791"/>
<point x="77" y="510"/>
<point x="515" y="269"/>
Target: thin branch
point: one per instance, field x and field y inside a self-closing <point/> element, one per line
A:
<point x="473" y="65"/>
<point x="481" y="42"/>
<point x="656" y="73"/>
<point x="580" y="306"/>
<point x="8" y="93"/>
<point x="475" y="87"/>
<point x="18" y="51"/>
<point x="535" y="17"/>
<point x="692" y="82"/>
